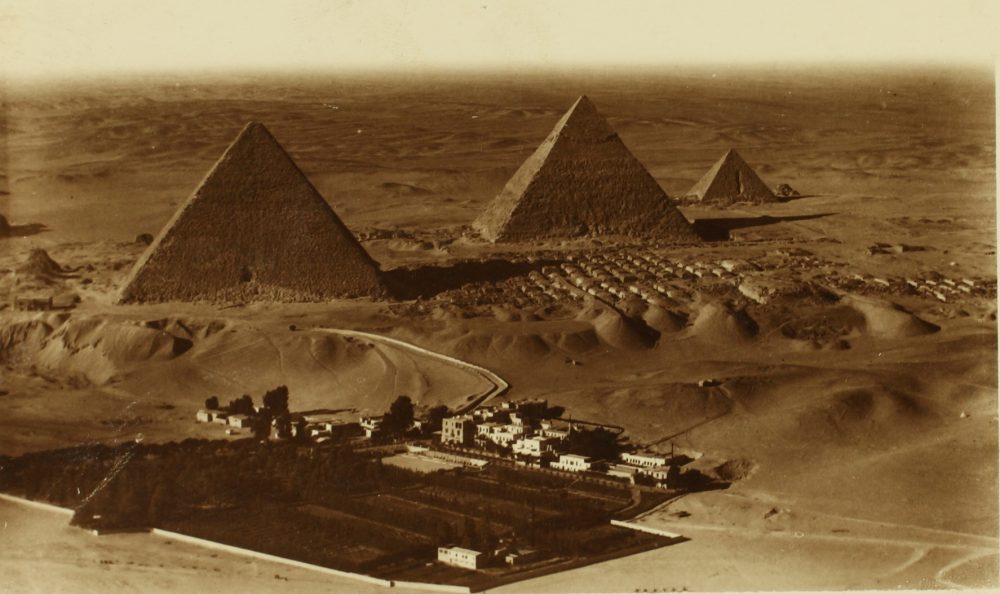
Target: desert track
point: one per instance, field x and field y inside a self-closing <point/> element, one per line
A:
<point x="499" y="386"/>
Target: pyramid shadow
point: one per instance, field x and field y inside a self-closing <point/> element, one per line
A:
<point x="424" y="282"/>
<point x="24" y="230"/>
<point x="720" y="229"/>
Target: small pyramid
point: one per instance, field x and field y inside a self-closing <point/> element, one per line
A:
<point x="582" y="180"/>
<point x="255" y="229"/>
<point x="731" y="180"/>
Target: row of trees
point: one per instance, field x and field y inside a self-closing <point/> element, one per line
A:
<point x="598" y="443"/>
<point x="275" y="402"/>
<point x="274" y="411"/>
<point x="399" y="419"/>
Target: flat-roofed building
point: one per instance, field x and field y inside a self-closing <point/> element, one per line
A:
<point x="458" y="430"/>
<point x="624" y="471"/>
<point x="533" y="446"/>
<point x="459" y="557"/>
<point x="488" y="428"/>
<point x="240" y="421"/>
<point x="522" y="555"/>
<point x="371" y="425"/>
<point x="646" y="459"/>
<point x="572" y="463"/>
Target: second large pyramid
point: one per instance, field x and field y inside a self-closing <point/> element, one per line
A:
<point x="582" y="180"/>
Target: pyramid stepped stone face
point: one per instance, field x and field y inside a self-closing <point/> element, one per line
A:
<point x="582" y="180"/>
<point x="254" y="230"/>
<point x="731" y="180"/>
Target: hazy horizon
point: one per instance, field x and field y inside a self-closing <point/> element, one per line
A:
<point x="50" y="40"/>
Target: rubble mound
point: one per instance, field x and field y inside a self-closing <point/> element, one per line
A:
<point x="892" y="248"/>
<point x="41" y="266"/>
<point x="735" y="470"/>
<point x="582" y="181"/>
<point x="787" y="191"/>
<point x="729" y="181"/>
<point x="254" y="230"/>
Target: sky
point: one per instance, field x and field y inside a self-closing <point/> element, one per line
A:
<point x="70" y="38"/>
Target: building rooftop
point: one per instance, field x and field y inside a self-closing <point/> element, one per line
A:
<point x="462" y="550"/>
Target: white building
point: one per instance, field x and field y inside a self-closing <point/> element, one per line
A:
<point x="644" y="459"/>
<point x="459" y="557"/>
<point x="624" y="471"/>
<point x="572" y="463"/>
<point x="459" y="429"/>
<point x="521" y="556"/>
<point x="240" y="421"/>
<point x="371" y="425"/>
<point x="500" y="434"/>
<point x="487" y="429"/>
<point x="533" y="446"/>
<point x="204" y="416"/>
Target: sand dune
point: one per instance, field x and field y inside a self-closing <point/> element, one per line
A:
<point x="886" y="320"/>
<point x="185" y="361"/>
<point x="716" y="323"/>
<point x="664" y="320"/>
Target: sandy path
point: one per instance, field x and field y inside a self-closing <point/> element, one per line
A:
<point x="499" y="386"/>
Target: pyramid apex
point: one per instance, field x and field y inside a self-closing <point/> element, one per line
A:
<point x="583" y="101"/>
<point x="255" y="128"/>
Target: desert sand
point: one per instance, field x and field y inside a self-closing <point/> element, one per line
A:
<point x="862" y="415"/>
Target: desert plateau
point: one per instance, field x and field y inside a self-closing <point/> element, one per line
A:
<point x="820" y="346"/>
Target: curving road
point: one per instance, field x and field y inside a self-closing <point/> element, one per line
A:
<point x="499" y="386"/>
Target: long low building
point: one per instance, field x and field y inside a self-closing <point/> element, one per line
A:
<point x="572" y="463"/>
<point x="645" y="459"/>
<point x="459" y="557"/>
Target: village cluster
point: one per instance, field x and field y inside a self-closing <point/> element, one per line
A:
<point x="610" y="276"/>
<point x="614" y="276"/>
<point x="524" y="432"/>
<point x="519" y="430"/>
<point x="932" y="284"/>
<point x="318" y="427"/>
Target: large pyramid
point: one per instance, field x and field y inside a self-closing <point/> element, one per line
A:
<point x="731" y="180"/>
<point x="254" y="230"/>
<point x="582" y="180"/>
